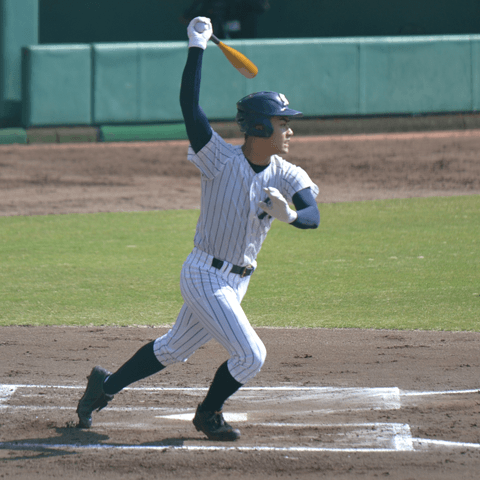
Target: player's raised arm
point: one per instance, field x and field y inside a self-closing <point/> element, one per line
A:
<point x="198" y="128"/>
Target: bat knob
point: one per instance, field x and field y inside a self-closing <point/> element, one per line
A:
<point x="200" y="27"/>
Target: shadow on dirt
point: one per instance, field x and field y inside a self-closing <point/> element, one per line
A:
<point x="70" y="440"/>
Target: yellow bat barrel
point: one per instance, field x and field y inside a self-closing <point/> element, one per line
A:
<point x="243" y="64"/>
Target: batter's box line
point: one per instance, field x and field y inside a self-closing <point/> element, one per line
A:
<point x="360" y="437"/>
<point x="190" y="448"/>
<point x="350" y="398"/>
<point x="444" y="392"/>
<point x="204" y="389"/>
<point x="403" y="393"/>
<point x="397" y="437"/>
<point x="402" y="445"/>
<point x="420" y="442"/>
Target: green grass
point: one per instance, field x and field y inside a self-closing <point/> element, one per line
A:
<point x="403" y="264"/>
<point x="396" y="264"/>
<point x="93" y="269"/>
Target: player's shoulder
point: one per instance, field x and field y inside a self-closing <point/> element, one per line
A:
<point x="215" y="156"/>
<point x="285" y="165"/>
<point x="215" y="149"/>
<point x="220" y="142"/>
<point x="293" y="176"/>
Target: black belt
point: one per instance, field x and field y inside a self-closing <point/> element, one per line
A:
<point x="242" y="271"/>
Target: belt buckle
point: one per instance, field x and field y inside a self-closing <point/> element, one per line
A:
<point x="245" y="270"/>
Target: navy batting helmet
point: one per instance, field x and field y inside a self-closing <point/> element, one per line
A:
<point x="256" y="109"/>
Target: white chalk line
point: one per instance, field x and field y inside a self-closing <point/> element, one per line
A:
<point x="402" y="438"/>
<point x="6" y="391"/>
<point x="445" y="392"/>
<point x="398" y="448"/>
<point x="358" y="438"/>
<point x="324" y="425"/>
<point x="445" y="443"/>
<point x="82" y="387"/>
<point x="183" y="389"/>
<point x="188" y="417"/>
<point x="344" y="399"/>
<point x="37" y="446"/>
<point x="36" y="408"/>
<point x="403" y="393"/>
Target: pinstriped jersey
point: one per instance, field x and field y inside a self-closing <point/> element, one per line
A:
<point x="229" y="227"/>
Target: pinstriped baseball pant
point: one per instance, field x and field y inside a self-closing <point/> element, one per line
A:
<point x="212" y="311"/>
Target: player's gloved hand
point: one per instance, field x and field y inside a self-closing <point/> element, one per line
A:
<point x="199" y="32"/>
<point x="277" y="206"/>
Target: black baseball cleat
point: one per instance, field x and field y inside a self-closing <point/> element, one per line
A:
<point x="214" y="426"/>
<point x="94" y="397"/>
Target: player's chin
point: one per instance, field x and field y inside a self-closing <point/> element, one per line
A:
<point x="282" y="148"/>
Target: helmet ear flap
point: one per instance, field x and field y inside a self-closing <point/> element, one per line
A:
<point x="266" y="129"/>
<point x="250" y="122"/>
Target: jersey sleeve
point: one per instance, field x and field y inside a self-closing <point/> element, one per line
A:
<point x="212" y="158"/>
<point x="296" y="179"/>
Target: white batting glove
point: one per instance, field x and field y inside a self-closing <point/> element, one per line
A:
<point x="199" y="32"/>
<point x="277" y="206"/>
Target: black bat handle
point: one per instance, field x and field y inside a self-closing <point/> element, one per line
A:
<point x="214" y="39"/>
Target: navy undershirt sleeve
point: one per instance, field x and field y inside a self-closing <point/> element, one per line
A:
<point x="307" y="210"/>
<point x="198" y="128"/>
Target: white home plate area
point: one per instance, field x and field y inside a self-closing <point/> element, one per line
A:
<point x="331" y="416"/>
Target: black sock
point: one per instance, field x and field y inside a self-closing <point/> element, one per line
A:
<point x="143" y="364"/>
<point x="222" y="387"/>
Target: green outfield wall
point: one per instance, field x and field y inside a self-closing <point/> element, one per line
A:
<point x="27" y="23"/>
<point x="139" y="83"/>
<point x="57" y="85"/>
<point x="18" y="27"/>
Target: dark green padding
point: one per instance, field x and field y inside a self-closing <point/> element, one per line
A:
<point x="142" y="133"/>
<point x="416" y="74"/>
<point x="139" y="83"/>
<point x="12" y="135"/>
<point x="57" y="85"/>
<point x="18" y="27"/>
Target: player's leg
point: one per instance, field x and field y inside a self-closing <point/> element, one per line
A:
<point x="217" y="304"/>
<point x="186" y="336"/>
<point x="215" y="300"/>
<point x="247" y="355"/>
<point x="103" y="385"/>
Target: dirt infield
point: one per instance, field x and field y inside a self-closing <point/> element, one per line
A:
<point x="78" y="178"/>
<point x="340" y="404"/>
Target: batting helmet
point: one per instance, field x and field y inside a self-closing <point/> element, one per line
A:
<point x="256" y="109"/>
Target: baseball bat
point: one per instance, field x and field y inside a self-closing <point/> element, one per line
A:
<point x="243" y="64"/>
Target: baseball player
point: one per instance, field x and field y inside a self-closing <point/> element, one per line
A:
<point x="244" y="188"/>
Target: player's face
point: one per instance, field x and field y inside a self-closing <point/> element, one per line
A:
<point x="280" y="139"/>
